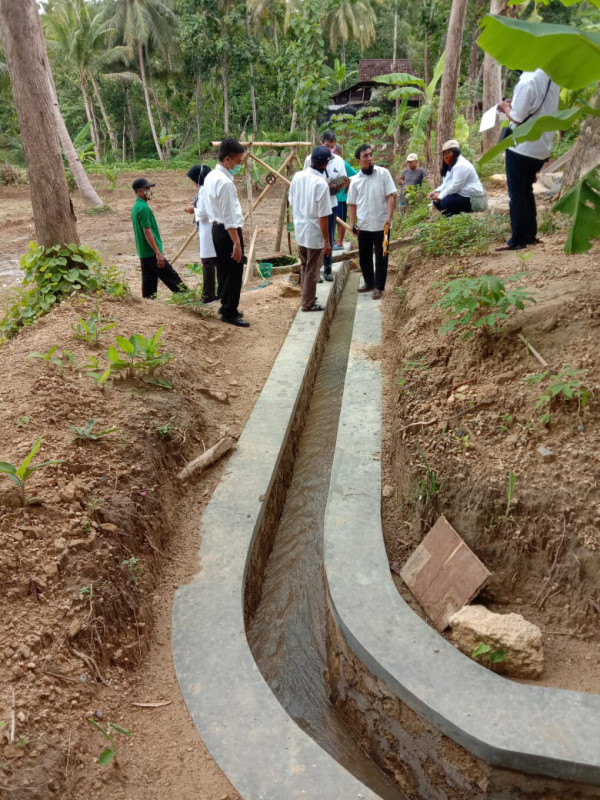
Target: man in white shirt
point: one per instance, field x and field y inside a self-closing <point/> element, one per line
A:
<point x="311" y="206"/>
<point x="336" y="178"/>
<point x="225" y="214"/>
<point x="535" y="95"/>
<point x="371" y="199"/>
<point x="460" y="191"/>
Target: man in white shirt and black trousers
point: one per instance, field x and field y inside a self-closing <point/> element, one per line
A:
<point x="371" y="198"/>
<point x="311" y="206"/>
<point x="225" y="213"/>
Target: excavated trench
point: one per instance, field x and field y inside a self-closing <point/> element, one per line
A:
<point x="287" y="634"/>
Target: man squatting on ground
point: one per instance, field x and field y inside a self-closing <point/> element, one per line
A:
<point x="336" y="178"/>
<point x="371" y="199"/>
<point x="311" y="207"/>
<point x="208" y="256"/>
<point x="460" y="191"/>
<point x="225" y="214"/>
<point x="149" y="244"/>
<point x="535" y="95"/>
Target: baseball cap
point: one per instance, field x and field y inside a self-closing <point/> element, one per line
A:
<point x="450" y="144"/>
<point x="321" y="155"/>
<point x="141" y="183"/>
<point x="412" y="157"/>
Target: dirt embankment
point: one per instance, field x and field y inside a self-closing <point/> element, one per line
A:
<point x="87" y="576"/>
<point x="459" y="418"/>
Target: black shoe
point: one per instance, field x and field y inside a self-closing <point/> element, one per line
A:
<point x="328" y="277"/>
<point x="237" y="321"/>
<point x="319" y="280"/>
<point x="240" y="313"/>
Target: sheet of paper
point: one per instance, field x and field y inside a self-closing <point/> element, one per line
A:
<point x="488" y="119"/>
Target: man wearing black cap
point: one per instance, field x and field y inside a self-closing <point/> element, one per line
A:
<point x="149" y="244"/>
<point x="311" y="206"/>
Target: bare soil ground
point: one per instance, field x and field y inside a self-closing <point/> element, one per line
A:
<point x="459" y="418"/>
<point x="82" y="632"/>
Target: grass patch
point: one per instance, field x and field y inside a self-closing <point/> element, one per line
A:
<point x="463" y="234"/>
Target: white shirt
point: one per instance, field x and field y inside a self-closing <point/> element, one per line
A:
<point x="529" y="93"/>
<point x="335" y="169"/>
<point x="369" y="194"/>
<point x="309" y="198"/>
<point x="222" y="204"/>
<point x="207" y="248"/>
<point x="461" y="179"/>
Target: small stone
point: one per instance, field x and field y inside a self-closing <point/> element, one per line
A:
<point x="98" y="714"/>
<point x="74" y="629"/>
<point x="545" y="453"/>
<point x="108" y="526"/>
<point x="21" y="716"/>
<point x="387" y="491"/>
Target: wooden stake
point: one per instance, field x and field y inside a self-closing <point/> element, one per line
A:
<point x="249" y="190"/>
<point x="184" y="245"/>
<point x="268" y="186"/>
<point x="270" y="144"/>
<point x="250" y="260"/>
<point x="209" y="457"/>
<point x="533" y="351"/>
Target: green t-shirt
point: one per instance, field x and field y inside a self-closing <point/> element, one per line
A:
<point x="142" y="217"/>
<point x="342" y="197"/>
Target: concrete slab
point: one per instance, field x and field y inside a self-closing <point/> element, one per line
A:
<point x="258" y="746"/>
<point x="526" y="729"/>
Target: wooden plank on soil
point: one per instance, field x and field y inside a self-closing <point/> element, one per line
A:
<point x="443" y="573"/>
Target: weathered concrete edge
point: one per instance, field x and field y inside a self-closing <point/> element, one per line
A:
<point x="531" y="729"/>
<point x="257" y="745"/>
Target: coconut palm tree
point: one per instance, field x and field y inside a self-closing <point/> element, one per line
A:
<point x="350" y="20"/>
<point x="82" y="41"/>
<point x="140" y="22"/>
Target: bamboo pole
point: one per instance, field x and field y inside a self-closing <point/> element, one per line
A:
<point x="249" y="190"/>
<point x="250" y="259"/>
<point x="184" y="245"/>
<point x="268" y="186"/>
<point x="270" y="144"/>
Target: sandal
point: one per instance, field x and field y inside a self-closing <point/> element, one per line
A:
<point x="314" y="307"/>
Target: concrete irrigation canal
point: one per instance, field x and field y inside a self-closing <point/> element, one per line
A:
<point x="305" y="672"/>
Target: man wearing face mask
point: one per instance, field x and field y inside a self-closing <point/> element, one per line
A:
<point x="225" y="214"/>
<point x="149" y="244"/>
<point x="371" y="201"/>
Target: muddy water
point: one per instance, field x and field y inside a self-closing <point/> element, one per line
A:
<point x="287" y="636"/>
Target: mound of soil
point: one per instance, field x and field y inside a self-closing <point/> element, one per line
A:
<point x="87" y="573"/>
<point x="459" y="418"/>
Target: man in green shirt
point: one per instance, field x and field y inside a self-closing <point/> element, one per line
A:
<point x="149" y="244"/>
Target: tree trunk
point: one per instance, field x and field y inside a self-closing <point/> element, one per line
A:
<point x="225" y="64"/>
<point x="474" y="64"/>
<point x="88" y="114"/>
<point x="199" y="109"/>
<point x="25" y="52"/>
<point x="111" y="133"/>
<point x="586" y="152"/>
<point x="445" y="126"/>
<point x="294" y="118"/>
<point x="95" y="126"/>
<point x="132" y="128"/>
<point x="147" y="99"/>
<point x="252" y="92"/>
<point x="492" y="83"/>
<point x="395" y="57"/>
<point x="275" y="36"/>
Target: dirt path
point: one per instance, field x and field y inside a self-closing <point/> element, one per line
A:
<point x="93" y="569"/>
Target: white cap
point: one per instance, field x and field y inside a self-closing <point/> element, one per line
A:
<point x="450" y="144"/>
<point x="412" y="157"/>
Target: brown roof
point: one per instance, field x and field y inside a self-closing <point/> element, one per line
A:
<point x="369" y="68"/>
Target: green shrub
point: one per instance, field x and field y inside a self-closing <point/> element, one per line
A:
<point x="461" y="234"/>
<point x="480" y="303"/>
<point x="53" y="273"/>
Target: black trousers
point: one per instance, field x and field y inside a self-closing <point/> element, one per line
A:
<point x="367" y="242"/>
<point x="331" y="225"/>
<point x="453" y="204"/>
<point x="232" y="271"/>
<point x="211" y="273"/>
<point x="521" y="172"/>
<point x="151" y="273"/>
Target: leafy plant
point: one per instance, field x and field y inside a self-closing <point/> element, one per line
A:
<point x="493" y="656"/>
<point x="23" y="420"/>
<point x="166" y="429"/>
<point x="190" y="298"/>
<point x="110" y="753"/>
<point x="19" y="475"/>
<point x="481" y="303"/>
<point x="97" y="373"/>
<point x="53" y="273"/>
<point x="565" y="385"/>
<point x="132" y="565"/>
<point x="137" y="353"/>
<point x="506" y="421"/>
<point x="92" y="329"/>
<point x="88" y="434"/>
<point x="112" y="176"/>
<point x="460" y="235"/>
<point x="52" y="357"/>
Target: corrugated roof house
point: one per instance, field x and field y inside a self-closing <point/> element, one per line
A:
<point x="368" y="69"/>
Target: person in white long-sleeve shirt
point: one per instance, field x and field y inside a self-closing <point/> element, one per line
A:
<point x="208" y="255"/>
<point x="460" y="191"/>
<point x="311" y="206"/>
<point x="225" y="215"/>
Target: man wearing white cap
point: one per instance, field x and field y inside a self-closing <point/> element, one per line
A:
<point x="413" y="175"/>
<point x="460" y="191"/>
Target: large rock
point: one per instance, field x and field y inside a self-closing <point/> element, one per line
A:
<point x="498" y="180"/>
<point x="521" y="640"/>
